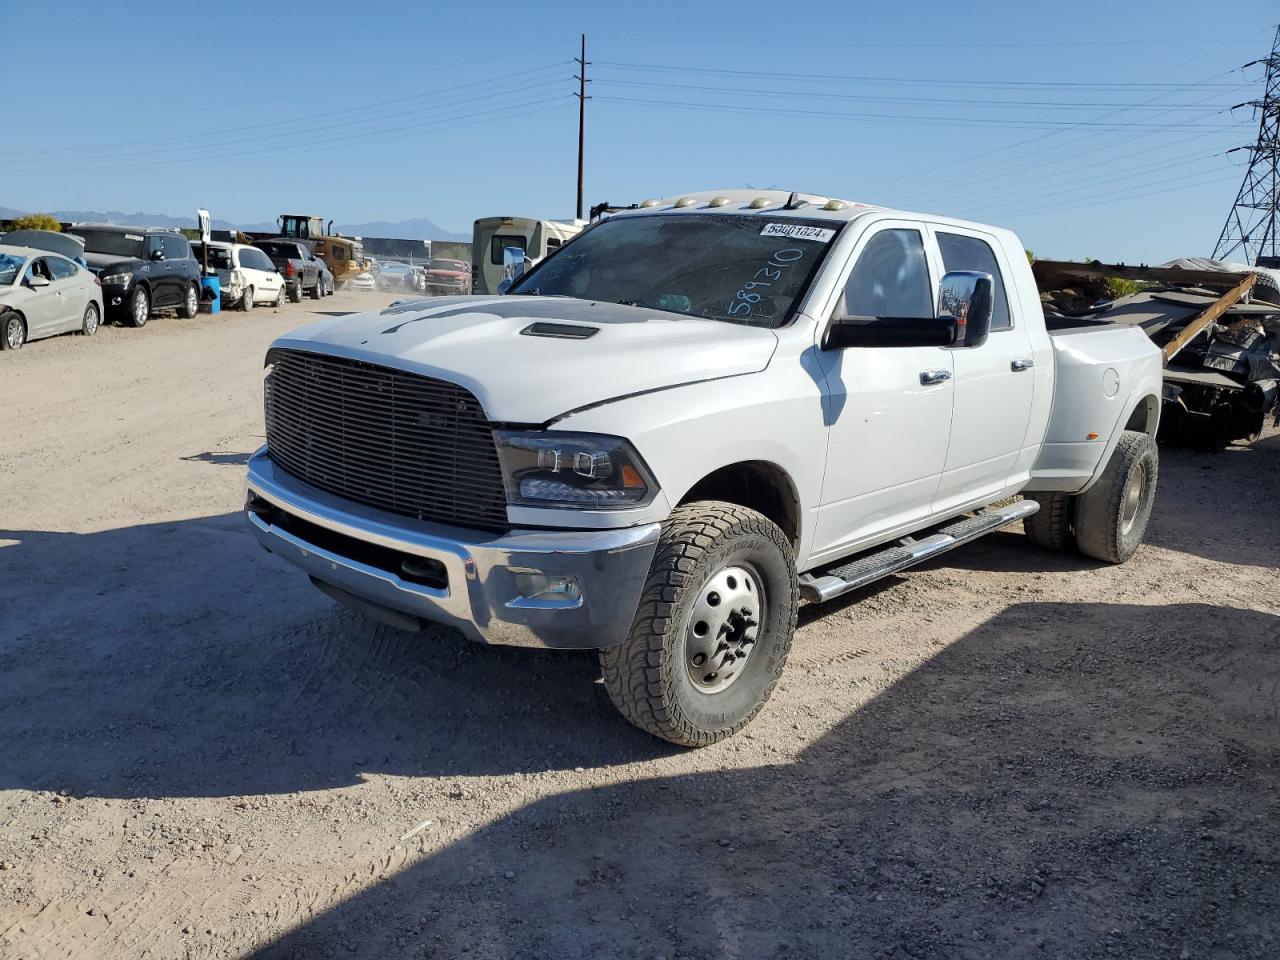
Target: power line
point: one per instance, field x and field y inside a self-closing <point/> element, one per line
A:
<point x="1102" y="201"/>
<point x="293" y="135"/>
<point x="896" y="118"/>
<point x="934" y="101"/>
<point x="858" y="78"/>
<point x="466" y="119"/>
<point x="276" y="124"/>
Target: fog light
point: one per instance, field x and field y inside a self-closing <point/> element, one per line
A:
<point x="547" y="589"/>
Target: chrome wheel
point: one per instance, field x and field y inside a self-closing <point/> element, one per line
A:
<point x="1135" y="493"/>
<point x="141" y="307"/>
<point x="15" y="334"/>
<point x="193" y="302"/>
<point x="91" y="320"/>
<point x="722" y="628"/>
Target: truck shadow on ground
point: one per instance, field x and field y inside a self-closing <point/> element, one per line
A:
<point x="1064" y="781"/>
<point x="180" y="659"/>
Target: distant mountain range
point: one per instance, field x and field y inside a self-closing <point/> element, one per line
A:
<point x="419" y="228"/>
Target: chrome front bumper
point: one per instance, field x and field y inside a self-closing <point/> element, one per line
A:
<point x="487" y="584"/>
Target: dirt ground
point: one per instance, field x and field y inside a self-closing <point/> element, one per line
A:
<point x="1008" y="753"/>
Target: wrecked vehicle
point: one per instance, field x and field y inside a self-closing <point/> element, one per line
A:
<point x="695" y="415"/>
<point x="1218" y="327"/>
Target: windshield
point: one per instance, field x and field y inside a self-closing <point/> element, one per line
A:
<point x="455" y="265"/>
<point x="112" y="244"/>
<point x="744" y="269"/>
<point x="10" y="268"/>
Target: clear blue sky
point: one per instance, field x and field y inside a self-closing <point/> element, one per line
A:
<point x="366" y="110"/>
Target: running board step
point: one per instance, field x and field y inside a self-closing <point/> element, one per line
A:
<point x="831" y="583"/>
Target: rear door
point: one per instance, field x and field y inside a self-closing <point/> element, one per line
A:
<point x="993" y="382"/>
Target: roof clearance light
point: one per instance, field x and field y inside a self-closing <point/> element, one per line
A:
<point x="648" y="203"/>
<point x="757" y="203"/>
<point x="834" y="205"/>
<point x="685" y="202"/>
<point x="719" y="202"/>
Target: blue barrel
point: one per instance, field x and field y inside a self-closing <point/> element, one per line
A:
<point x="214" y="296"/>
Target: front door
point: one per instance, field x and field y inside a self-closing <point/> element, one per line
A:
<point x="993" y="384"/>
<point x="888" y="408"/>
<point x="42" y="306"/>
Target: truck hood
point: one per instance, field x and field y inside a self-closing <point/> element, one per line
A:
<point x="492" y="347"/>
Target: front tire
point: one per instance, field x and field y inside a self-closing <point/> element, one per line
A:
<point x="92" y="320"/>
<point x="13" y="332"/>
<point x="191" y="302"/>
<point x="246" y="300"/>
<point x="713" y="628"/>
<point x="1112" y="515"/>
<point x="139" y="307"/>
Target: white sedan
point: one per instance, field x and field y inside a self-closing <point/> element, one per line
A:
<point x="43" y="294"/>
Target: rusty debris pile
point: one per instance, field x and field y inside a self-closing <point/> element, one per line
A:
<point x="1217" y="324"/>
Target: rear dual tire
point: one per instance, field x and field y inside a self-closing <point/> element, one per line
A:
<point x="1108" y="521"/>
<point x="713" y="628"/>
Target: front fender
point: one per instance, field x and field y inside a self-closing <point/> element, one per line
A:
<point x="686" y="433"/>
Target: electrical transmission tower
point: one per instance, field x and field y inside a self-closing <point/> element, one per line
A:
<point x="1251" y="225"/>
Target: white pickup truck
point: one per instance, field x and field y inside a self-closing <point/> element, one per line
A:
<point x="688" y="419"/>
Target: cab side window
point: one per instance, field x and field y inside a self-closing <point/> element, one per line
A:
<point x="890" y="278"/>
<point x="153" y="244"/>
<point x="39" y="268"/>
<point x="970" y="253"/>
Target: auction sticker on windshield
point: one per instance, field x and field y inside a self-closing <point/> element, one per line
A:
<point x="797" y="231"/>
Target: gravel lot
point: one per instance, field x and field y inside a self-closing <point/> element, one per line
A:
<point x="1007" y="753"/>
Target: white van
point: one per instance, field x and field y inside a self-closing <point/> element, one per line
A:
<point x="492" y="235"/>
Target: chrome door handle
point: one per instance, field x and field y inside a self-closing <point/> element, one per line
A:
<point x="934" y="376"/>
<point x="1021" y="363"/>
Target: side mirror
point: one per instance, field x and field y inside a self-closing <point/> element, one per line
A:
<point x="157" y="254"/>
<point x="967" y="297"/>
<point x="890" y="332"/>
<point x="36" y="280"/>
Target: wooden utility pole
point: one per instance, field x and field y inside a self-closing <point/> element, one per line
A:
<point x="581" y="77"/>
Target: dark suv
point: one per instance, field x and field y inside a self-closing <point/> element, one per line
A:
<point x="142" y="269"/>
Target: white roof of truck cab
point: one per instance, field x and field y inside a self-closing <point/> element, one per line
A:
<point x="775" y="203"/>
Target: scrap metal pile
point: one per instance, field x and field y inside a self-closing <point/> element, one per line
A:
<point x="1217" y="324"/>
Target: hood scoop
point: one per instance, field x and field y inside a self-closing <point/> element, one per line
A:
<point x="559" y="331"/>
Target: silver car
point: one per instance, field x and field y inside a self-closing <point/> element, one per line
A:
<point x="43" y="294"/>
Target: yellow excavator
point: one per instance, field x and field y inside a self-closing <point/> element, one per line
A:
<point x="343" y="255"/>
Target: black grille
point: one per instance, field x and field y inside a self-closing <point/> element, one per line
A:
<point x="398" y="441"/>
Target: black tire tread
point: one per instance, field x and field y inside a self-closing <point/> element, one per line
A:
<point x="1097" y="530"/>
<point x="1050" y="526"/>
<point x="634" y="671"/>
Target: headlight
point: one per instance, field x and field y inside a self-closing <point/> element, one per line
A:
<point x="117" y="279"/>
<point x="584" y="470"/>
